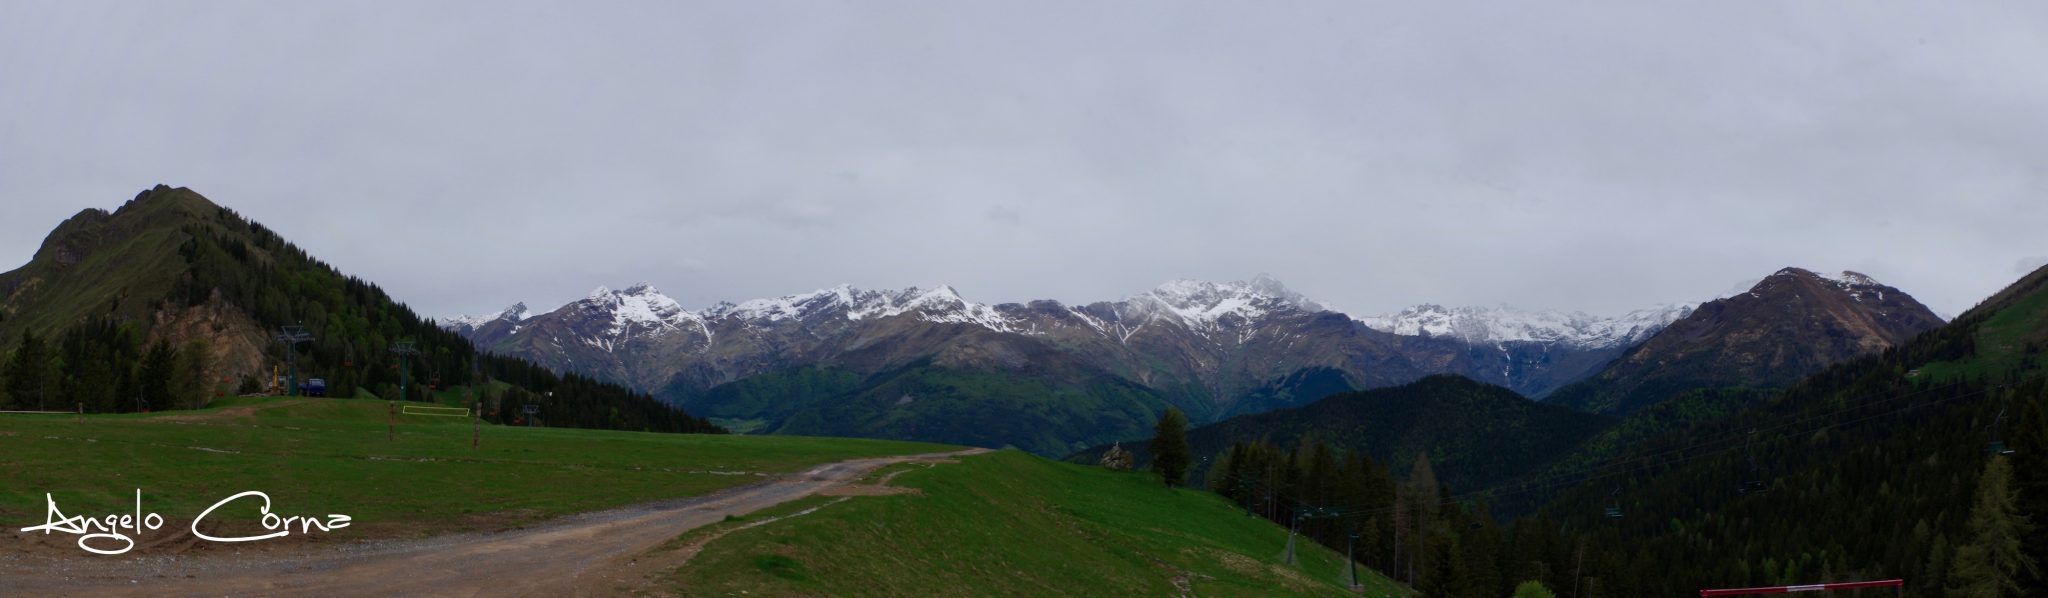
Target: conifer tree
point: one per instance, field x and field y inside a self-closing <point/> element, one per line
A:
<point x="1422" y="493"/>
<point x="1533" y="589"/>
<point x="1992" y="565"/>
<point x="28" y="372"/>
<point x="2030" y="468"/>
<point x="190" y="384"/>
<point x="1170" y="448"/>
<point x="158" y="364"/>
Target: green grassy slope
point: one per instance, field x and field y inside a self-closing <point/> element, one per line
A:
<point x="94" y="263"/>
<point x="332" y="456"/>
<point x="1010" y="524"/>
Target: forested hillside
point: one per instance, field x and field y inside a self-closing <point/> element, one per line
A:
<point x="1476" y="433"/>
<point x="1927" y="462"/>
<point x="172" y="300"/>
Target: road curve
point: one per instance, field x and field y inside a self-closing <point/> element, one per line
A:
<point x="553" y="559"/>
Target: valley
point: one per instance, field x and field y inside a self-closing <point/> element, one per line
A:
<point x="1463" y="447"/>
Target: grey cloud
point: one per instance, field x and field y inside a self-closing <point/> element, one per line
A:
<point x="1005" y="215"/>
<point x="1586" y="155"/>
<point x="2027" y="265"/>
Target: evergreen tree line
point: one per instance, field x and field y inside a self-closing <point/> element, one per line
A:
<point x="1868" y="470"/>
<point x="1956" y="522"/>
<point x="100" y="366"/>
<point x="1409" y="529"/>
<point x="1888" y="493"/>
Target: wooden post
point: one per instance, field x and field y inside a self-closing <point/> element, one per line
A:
<point x="391" y="422"/>
<point x="81" y="413"/>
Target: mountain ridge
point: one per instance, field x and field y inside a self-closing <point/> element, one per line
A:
<point x="1789" y="324"/>
<point x="1212" y="349"/>
<point x="172" y="276"/>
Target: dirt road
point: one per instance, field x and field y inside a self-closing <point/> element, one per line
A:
<point x="580" y="555"/>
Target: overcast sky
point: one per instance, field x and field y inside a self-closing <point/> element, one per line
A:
<point x="1599" y="156"/>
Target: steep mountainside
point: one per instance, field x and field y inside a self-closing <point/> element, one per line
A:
<point x="1791" y="324"/>
<point x="112" y="299"/>
<point x="1869" y="467"/>
<point x="1212" y="349"/>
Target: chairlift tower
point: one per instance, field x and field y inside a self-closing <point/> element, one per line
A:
<point x="405" y="350"/>
<point x="1755" y="482"/>
<point x="1350" y="560"/>
<point x="292" y="336"/>
<point x="1996" y="446"/>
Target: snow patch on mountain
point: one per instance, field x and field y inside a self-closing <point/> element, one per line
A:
<point x="1857" y="285"/>
<point x="515" y="314"/>
<point x="1202" y="305"/>
<point x="940" y="304"/>
<point x="1479" y="325"/>
<point x="640" y="308"/>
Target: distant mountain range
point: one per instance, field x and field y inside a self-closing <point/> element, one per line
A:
<point x="863" y="362"/>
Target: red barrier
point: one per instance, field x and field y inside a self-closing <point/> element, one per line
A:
<point x="1819" y="587"/>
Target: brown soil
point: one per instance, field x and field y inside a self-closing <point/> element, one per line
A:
<point x="228" y="413"/>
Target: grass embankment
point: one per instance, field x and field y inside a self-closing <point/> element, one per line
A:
<point x="2004" y="342"/>
<point x="1011" y="524"/>
<point x="320" y="456"/>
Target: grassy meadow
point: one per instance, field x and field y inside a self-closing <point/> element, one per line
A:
<point x="320" y="456"/>
<point x="1011" y="524"/>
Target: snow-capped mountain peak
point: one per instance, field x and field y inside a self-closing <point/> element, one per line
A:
<point x="939" y="304"/>
<point x="515" y="314"/>
<point x="639" y="307"/>
<point x="1856" y="284"/>
<point x="1202" y="304"/>
<point x="1479" y="325"/>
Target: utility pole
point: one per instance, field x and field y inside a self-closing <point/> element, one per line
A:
<point x="292" y="336"/>
<point x="476" y="430"/>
